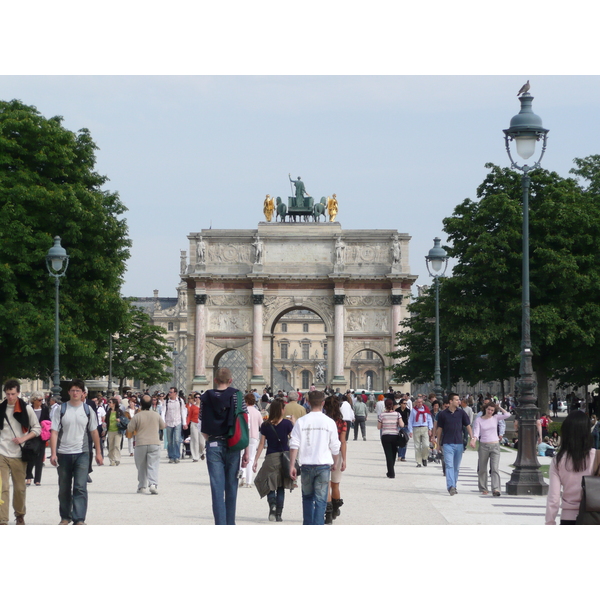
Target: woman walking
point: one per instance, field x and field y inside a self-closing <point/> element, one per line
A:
<point x="405" y="414"/>
<point x="271" y="481"/>
<point x="113" y="432"/>
<point x="42" y="413"/>
<point x="389" y="422"/>
<point x="575" y="459"/>
<point x="485" y="429"/>
<point x="334" y="501"/>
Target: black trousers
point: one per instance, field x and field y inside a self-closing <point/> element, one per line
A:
<point x="390" y="447"/>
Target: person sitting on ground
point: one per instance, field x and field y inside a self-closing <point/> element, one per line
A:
<point x="545" y="449"/>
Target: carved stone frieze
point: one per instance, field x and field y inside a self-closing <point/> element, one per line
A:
<point x="367" y="321"/>
<point x="229" y="300"/>
<point x="231" y="321"/>
<point x="230" y="253"/>
<point x="367" y="300"/>
<point x="367" y="253"/>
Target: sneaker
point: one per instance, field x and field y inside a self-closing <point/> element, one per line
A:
<point x="20" y="520"/>
<point x="402" y="460"/>
<point x="364" y="439"/>
<point x="171" y="461"/>
<point x="418" y="465"/>
<point x="141" y="490"/>
<point x="64" y="522"/>
<point x="117" y="463"/>
<point x="80" y="523"/>
<point x="153" y="489"/>
<point x="195" y="460"/>
<point x="452" y="491"/>
<point x="176" y="461"/>
<point x="496" y="493"/>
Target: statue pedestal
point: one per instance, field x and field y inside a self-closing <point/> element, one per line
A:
<point x="257" y="268"/>
<point x="199" y="268"/>
<point x="200" y="383"/>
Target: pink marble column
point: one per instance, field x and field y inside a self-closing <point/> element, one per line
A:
<point x="338" y="339"/>
<point x="200" y="348"/>
<point x="257" y="339"/>
<point x="396" y="316"/>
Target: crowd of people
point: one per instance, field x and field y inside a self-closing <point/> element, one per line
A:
<point x="301" y="434"/>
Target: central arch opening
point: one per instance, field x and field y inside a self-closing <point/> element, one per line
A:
<point x="298" y="351"/>
<point x="367" y="371"/>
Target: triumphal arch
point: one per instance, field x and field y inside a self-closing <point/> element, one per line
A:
<point x="240" y="283"/>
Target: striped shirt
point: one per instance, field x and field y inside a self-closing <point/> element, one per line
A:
<point x="390" y="421"/>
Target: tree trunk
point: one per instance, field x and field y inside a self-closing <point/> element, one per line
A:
<point x="121" y="381"/>
<point x="542" y="389"/>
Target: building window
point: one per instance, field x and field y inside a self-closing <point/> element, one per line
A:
<point x="305" y="327"/>
<point x="284" y="327"/>
<point x="305" y="351"/>
<point x="170" y="326"/>
<point x="305" y="379"/>
<point x="284" y="351"/>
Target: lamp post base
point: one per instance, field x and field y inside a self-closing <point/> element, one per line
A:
<point x="527" y="481"/>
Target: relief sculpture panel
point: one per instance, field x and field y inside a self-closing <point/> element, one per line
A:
<point x="231" y="253"/>
<point x="367" y="321"/>
<point x="230" y="321"/>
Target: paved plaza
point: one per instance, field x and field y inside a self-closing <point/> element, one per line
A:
<point x="415" y="496"/>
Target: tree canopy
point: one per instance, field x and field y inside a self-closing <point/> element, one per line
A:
<point x="48" y="187"/>
<point x="140" y="351"/>
<point x="480" y="304"/>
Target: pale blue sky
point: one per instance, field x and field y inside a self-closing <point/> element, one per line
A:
<point x="399" y="151"/>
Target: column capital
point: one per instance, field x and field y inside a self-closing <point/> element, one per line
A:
<point x="397" y="298"/>
<point x="339" y="298"/>
<point x="257" y="298"/>
<point x="200" y="298"/>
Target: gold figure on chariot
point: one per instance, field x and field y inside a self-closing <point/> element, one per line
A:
<point x="269" y="208"/>
<point x="332" y="207"/>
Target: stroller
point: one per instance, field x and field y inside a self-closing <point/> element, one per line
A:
<point x="435" y="456"/>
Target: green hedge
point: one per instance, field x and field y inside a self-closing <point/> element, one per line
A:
<point x="556" y="426"/>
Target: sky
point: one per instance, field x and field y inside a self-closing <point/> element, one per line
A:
<point x="199" y="110"/>
<point x="191" y="152"/>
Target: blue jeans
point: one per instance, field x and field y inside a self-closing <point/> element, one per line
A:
<point x="315" y="484"/>
<point x="174" y="442"/>
<point x="452" y="458"/>
<point x="72" y="486"/>
<point x="223" y="466"/>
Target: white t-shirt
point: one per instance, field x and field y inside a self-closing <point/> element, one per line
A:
<point x="74" y="423"/>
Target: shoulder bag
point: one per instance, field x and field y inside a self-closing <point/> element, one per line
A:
<point x="589" y="508"/>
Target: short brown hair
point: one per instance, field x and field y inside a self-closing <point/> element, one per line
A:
<point x="223" y="375"/>
<point x="315" y="398"/>
<point x="250" y="398"/>
<point x="11" y="384"/>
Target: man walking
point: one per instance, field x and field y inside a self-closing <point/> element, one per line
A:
<point x="145" y="425"/>
<point x="18" y="424"/>
<point x="420" y="426"/>
<point x="292" y="409"/>
<point x="360" y="418"/>
<point x="315" y="442"/>
<point x="218" y="415"/>
<point x="450" y="425"/>
<point x="72" y="426"/>
<point x="174" y="415"/>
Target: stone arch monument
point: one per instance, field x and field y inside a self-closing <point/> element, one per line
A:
<point x="240" y="282"/>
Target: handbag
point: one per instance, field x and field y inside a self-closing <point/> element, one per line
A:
<point x="31" y="449"/>
<point x="589" y="507"/>
<point x="402" y="438"/>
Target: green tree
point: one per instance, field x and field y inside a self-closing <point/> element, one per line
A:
<point x="140" y="351"/>
<point x="481" y="302"/>
<point x="48" y="187"/>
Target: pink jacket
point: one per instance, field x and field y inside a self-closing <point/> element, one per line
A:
<point x="563" y="476"/>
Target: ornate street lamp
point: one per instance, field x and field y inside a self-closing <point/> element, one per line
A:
<point x="57" y="261"/>
<point x="436" y="260"/>
<point x="526" y="129"/>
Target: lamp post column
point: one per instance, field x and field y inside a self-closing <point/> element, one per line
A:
<point x="437" y="373"/>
